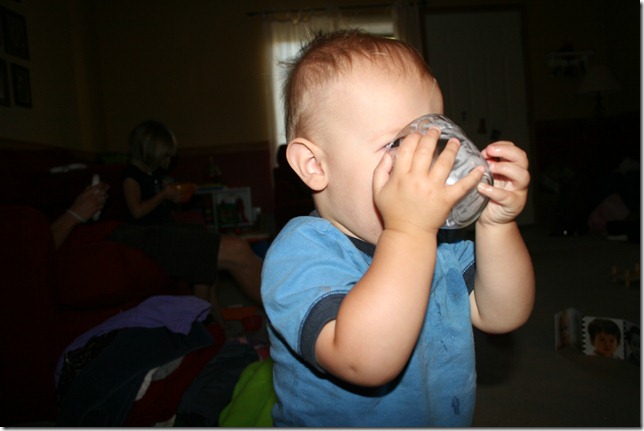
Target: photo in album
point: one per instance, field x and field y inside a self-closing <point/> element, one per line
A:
<point x="597" y="336"/>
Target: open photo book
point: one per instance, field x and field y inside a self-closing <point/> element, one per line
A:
<point x="597" y="336"/>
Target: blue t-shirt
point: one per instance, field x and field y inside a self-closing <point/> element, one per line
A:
<point x="308" y="270"/>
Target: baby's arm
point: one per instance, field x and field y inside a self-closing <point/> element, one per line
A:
<point x="380" y="319"/>
<point x="503" y="296"/>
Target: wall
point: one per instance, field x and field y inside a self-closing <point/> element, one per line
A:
<point x="98" y="67"/>
<point x="195" y="64"/>
<point x="609" y="29"/>
<point x="63" y="112"/>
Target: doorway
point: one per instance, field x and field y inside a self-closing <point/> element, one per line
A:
<point x="477" y="57"/>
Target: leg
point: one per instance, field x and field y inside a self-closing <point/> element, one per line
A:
<point x="208" y="293"/>
<point x="237" y="257"/>
<point x="202" y="291"/>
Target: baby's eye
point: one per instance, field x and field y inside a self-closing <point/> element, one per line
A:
<point x="395" y="143"/>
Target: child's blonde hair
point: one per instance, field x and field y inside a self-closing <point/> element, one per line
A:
<point x="150" y="142"/>
<point x="327" y="57"/>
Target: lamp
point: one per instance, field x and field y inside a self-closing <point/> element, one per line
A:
<point x="598" y="81"/>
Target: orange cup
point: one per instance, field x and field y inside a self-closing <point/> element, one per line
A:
<point x="187" y="189"/>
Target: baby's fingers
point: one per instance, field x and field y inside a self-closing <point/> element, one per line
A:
<point x="517" y="176"/>
<point x="424" y="152"/>
<point x="467" y="183"/>
<point x="506" y="151"/>
<point x="382" y="172"/>
<point x="445" y="161"/>
<point x="504" y="198"/>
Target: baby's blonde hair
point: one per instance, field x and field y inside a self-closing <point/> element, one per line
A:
<point x="326" y="58"/>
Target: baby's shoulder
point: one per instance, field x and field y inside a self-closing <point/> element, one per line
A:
<point x="310" y="226"/>
<point x="310" y="236"/>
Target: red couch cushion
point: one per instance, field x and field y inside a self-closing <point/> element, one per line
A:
<point x="29" y="326"/>
<point x="92" y="278"/>
<point x="93" y="272"/>
<point x="106" y="274"/>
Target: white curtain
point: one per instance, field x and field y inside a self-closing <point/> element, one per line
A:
<point x="284" y="35"/>
<point x="406" y="19"/>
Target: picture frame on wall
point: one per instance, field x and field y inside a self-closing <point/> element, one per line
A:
<point x="4" y="84"/>
<point x="14" y="33"/>
<point x="21" y="86"/>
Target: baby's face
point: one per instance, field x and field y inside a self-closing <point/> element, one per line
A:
<point x="605" y="344"/>
<point x="362" y="114"/>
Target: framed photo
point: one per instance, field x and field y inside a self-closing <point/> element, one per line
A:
<point x="4" y="84"/>
<point x="14" y="33"/>
<point x="21" y="85"/>
<point x="226" y="208"/>
<point x="234" y="207"/>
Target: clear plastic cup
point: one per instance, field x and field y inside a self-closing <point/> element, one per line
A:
<point x="469" y="208"/>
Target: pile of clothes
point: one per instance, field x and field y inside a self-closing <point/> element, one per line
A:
<point x="163" y="361"/>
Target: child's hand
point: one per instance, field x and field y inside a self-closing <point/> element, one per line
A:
<point x="411" y="193"/>
<point x="509" y="166"/>
<point x="173" y="194"/>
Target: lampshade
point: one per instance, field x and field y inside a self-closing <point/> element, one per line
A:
<point x="598" y="79"/>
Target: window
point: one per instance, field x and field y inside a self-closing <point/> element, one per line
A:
<point x="289" y="35"/>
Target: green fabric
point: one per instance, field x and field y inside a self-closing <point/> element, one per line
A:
<point x="253" y="398"/>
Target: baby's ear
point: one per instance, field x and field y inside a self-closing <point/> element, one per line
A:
<point x="305" y="159"/>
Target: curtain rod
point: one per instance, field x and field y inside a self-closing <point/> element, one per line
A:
<point x="320" y="9"/>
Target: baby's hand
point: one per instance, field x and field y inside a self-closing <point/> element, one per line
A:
<point x="411" y="193"/>
<point x="509" y="166"/>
